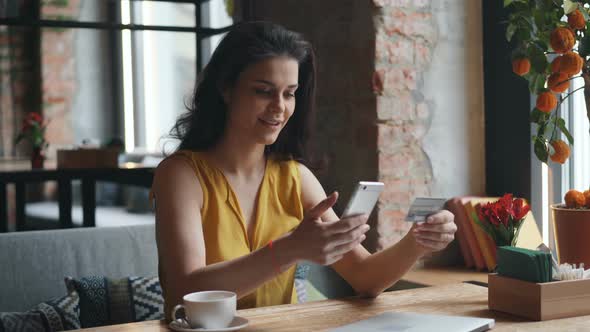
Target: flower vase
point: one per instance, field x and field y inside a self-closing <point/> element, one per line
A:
<point x="37" y="158"/>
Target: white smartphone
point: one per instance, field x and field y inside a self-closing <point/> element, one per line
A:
<point x="363" y="198"/>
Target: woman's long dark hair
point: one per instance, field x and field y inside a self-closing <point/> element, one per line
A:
<point x="247" y="43"/>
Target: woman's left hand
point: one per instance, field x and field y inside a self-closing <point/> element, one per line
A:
<point x="436" y="233"/>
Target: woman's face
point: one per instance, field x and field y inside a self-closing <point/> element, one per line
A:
<point x="262" y="100"/>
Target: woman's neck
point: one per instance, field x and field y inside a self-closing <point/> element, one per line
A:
<point x="238" y="158"/>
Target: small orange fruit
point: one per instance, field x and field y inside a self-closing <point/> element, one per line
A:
<point x="571" y="63"/>
<point x="556" y="65"/>
<point x="562" y="151"/>
<point x="574" y="199"/>
<point x="558" y="82"/>
<point x="576" y="20"/>
<point x="587" y="197"/>
<point x="562" y="40"/>
<point x="521" y="66"/>
<point x="546" y="101"/>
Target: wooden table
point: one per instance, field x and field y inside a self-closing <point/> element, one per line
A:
<point x="452" y="299"/>
<point x="20" y="173"/>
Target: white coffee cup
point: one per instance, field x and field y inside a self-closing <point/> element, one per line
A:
<point x="208" y="309"/>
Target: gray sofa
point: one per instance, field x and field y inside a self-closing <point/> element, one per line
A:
<point x="33" y="264"/>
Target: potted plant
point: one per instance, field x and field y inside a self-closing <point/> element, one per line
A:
<point x="552" y="48"/>
<point x="571" y="224"/>
<point x="33" y="130"/>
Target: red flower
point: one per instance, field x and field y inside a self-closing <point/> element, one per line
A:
<point x="499" y="212"/>
<point x="503" y="218"/>
<point x="520" y="209"/>
<point x="33" y="130"/>
<point x="32" y="119"/>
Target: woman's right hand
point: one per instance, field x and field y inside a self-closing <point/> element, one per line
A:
<point x="326" y="242"/>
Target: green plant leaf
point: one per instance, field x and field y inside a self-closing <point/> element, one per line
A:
<point x="561" y="125"/>
<point x="510" y="30"/>
<point x="536" y="82"/>
<point x="549" y="129"/>
<point x="541" y="150"/>
<point x="523" y="32"/>
<point x="529" y="21"/>
<point x="539" y="17"/>
<point x="538" y="58"/>
<point x="541" y="129"/>
<point x="503" y="235"/>
<point x="569" y="6"/>
<point x="19" y="138"/>
<point x="509" y="2"/>
<point x="537" y="116"/>
<point x="542" y="44"/>
<point x="487" y="227"/>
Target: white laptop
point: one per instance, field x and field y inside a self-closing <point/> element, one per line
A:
<point x="414" y="322"/>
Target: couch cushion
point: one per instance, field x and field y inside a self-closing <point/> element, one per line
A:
<point x="58" y="314"/>
<point x="300" y="282"/>
<point x="107" y="301"/>
<point x="34" y="263"/>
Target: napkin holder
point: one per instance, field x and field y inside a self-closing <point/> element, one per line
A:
<point x="539" y="301"/>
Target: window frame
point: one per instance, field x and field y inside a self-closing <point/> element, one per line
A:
<point x="115" y="27"/>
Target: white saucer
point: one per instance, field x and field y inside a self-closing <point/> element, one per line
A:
<point x="236" y="324"/>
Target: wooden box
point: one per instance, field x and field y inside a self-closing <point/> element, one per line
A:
<point x="539" y="301"/>
<point x="88" y="158"/>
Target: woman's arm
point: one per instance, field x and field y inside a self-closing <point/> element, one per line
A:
<point x="370" y="274"/>
<point x="181" y="245"/>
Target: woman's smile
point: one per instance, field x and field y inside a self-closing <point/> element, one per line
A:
<point x="273" y="124"/>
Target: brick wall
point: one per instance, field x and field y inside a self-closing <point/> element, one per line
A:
<point x="58" y="73"/>
<point x="406" y="35"/>
<point x="19" y="70"/>
<point x="370" y="117"/>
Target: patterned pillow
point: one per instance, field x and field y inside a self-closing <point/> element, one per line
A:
<point x="59" y="314"/>
<point x="105" y="301"/>
<point x="301" y="272"/>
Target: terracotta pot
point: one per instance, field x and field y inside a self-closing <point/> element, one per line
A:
<point x="572" y="234"/>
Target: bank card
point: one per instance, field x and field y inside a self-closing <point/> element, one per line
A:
<point x="423" y="207"/>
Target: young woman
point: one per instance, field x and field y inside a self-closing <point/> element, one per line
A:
<point x="236" y="205"/>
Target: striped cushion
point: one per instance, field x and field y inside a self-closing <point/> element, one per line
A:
<point x="105" y="301"/>
<point x="57" y="314"/>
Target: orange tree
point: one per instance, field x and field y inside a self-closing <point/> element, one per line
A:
<point x="551" y="49"/>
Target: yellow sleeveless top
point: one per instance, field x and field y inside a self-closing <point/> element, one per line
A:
<point x="278" y="211"/>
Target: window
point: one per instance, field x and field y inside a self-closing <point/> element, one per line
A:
<point x="578" y="176"/>
<point x="136" y="63"/>
<point x="551" y="182"/>
<point x="159" y="67"/>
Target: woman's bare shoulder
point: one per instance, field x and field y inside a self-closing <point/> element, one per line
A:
<point x="312" y="191"/>
<point x="176" y="175"/>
